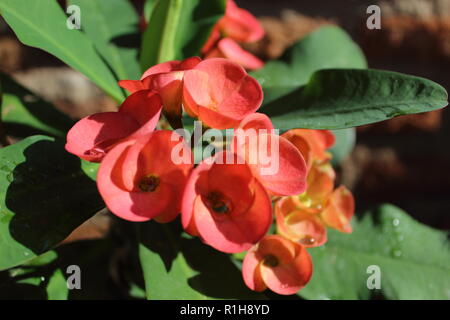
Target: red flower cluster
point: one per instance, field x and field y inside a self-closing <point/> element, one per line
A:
<point x="227" y="199"/>
<point x="238" y="25"/>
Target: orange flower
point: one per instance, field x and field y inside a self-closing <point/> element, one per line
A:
<point x="220" y="93"/>
<point x="166" y="79"/>
<point x="303" y="218"/>
<point x="298" y="225"/>
<point x="238" y="25"/>
<point x="225" y="205"/>
<point x="279" y="264"/>
<point x="139" y="181"/>
<point x="275" y="162"/>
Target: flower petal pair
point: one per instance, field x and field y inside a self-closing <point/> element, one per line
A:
<point x="274" y="160"/>
<point x="230" y="49"/>
<point x="299" y="225"/>
<point x="320" y="185"/>
<point x="166" y="79"/>
<point x="311" y="143"/>
<point x="239" y="24"/>
<point x="225" y="205"/>
<point x="339" y="210"/>
<point x="139" y="180"/>
<point x="93" y="136"/>
<point x="220" y="93"/>
<point x="279" y="264"/>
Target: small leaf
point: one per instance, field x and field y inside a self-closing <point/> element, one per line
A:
<point x="413" y="260"/>
<point x="177" y="266"/>
<point x="42" y="24"/>
<point x="178" y="29"/>
<point x="57" y="286"/>
<point x="44" y="196"/>
<point x="340" y="98"/>
<point x="24" y="113"/>
<point x="113" y="28"/>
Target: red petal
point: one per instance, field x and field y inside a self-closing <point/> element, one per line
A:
<point x="132" y="86"/>
<point x="145" y="107"/>
<point x="233" y="51"/>
<point x="90" y="137"/>
<point x="169" y="66"/>
<point x="280" y="167"/>
<point x="251" y="272"/>
<point x="240" y="24"/>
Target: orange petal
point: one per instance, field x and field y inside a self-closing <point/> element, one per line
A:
<point x="339" y="210"/>
<point x="251" y="272"/>
<point x="127" y="204"/>
<point x="240" y="24"/>
<point x="230" y="49"/>
<point x="220" y="93"/>
<point x="275" y="162"/>
<point x="311" y="143"/>
<point x="288" y="277"/>
<point x="279" y="247"/>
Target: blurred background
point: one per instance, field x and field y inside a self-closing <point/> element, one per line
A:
<point x="404" y="161"/>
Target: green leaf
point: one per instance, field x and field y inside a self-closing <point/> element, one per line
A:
<point x="345" y="142"/>
<point x="149" y="5"/>
<point x="42" y="24"/>
<point x="339" y="98"/>
<point x="413" y="260"/>
<point x="178" y="29"/>
<point x="24" y="113"/>
<point x="328" y="47"/>
<point x="177" y="266"/>
<point x="113" y="28"/>
<point x="44" y="196"/>
<point x="57" y="286"/>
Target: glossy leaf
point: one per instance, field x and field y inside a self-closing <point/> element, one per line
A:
<point x="413" y="260"/>
<point x="328" y="47"/>
<point x="24" y="113"/>
<point x="176" y="266"/>
<point x="112" y="26"/>
<point x="340" y="98"/>
<point x="44" y="196"/>
<point x="178" y="29"/>
<point x="42" y="24"/>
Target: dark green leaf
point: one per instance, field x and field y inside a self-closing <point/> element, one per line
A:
<point x="178" y="29"/>
<point x="337" y="99"/>
<point x="112" y="26"/>
<point x="45" y="277"/>
<point x="24" y="113"/>
<point x="176" y="266"/>
<point x="42" y="24"/>
<point x="413" y="260"/>
<point x="328" y="47"/>
<point x="44" y="196"/>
